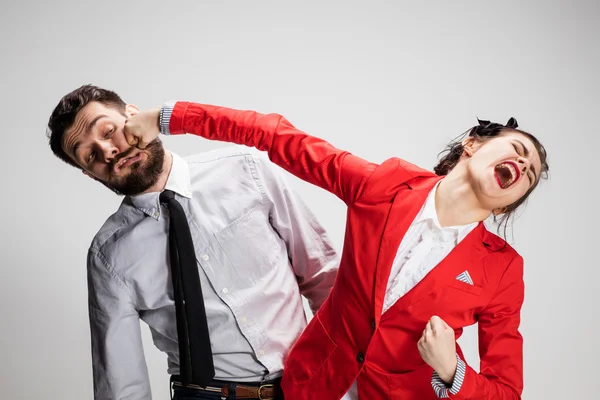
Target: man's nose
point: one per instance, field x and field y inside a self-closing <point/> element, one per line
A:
<point x="109" y="151"/>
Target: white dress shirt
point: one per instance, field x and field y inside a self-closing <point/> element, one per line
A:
<point x="424" y="246"/>
<point x="258" y="249"/>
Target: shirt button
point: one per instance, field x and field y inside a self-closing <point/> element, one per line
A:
<point x="155" y="214"/>
<point x="225" y="290"/>
<point x="261" y="352"/>
<point x="244" y="319"/>
<point x="373" y="324"/>
<point x="205" y="257"/>
<point x="360" y="357"/>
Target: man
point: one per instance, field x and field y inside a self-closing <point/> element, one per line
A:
<point x="254" y="245"/>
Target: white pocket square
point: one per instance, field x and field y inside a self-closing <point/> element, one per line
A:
<point x="465" y="277"/>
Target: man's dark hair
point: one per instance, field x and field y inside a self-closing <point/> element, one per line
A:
<point x="64" y="114"/>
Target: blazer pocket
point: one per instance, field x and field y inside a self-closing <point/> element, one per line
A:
<point x="465" y="287"/>
<point x="412" y="385"/>
<point x="310" y="353"/>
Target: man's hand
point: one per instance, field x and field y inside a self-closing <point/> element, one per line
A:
<point x="142" y="128"/>
<point x="438" y="348"/>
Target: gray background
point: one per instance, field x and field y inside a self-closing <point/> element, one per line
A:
<point x="380" y="79"/>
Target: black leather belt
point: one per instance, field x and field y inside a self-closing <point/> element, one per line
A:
<point x="268" y="390"/>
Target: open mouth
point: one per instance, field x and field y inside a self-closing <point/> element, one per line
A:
<point x="507" y="173"/>
<point x="126" y="162"/>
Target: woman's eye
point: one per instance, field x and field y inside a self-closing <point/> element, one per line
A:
<point x="107" y="134"/>
<point x="516" y="149"/>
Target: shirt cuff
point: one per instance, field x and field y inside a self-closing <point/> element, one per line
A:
<point x="439" y="386"/>
<point x="165" y="117"/>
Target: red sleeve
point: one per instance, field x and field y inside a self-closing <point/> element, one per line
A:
<point x="309" y="158"/>
<point x="500" y="343"/>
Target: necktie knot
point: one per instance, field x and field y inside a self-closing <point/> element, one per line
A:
<point x="167" y="195"/>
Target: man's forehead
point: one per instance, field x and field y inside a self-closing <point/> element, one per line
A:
<point x="87" y="114"/>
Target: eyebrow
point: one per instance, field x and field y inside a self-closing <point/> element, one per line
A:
<point x="527" y="153"/>
<point x="88" y="128"/>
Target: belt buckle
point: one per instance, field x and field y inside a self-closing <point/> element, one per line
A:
<point x="260" y="388"/>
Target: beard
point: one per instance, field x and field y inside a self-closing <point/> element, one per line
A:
<point x="142" y="176"/>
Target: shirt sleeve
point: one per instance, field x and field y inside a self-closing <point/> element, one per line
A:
<point x="312" y="255"/>
<point x="119" y="366"/>
<point x="439" y="386"/>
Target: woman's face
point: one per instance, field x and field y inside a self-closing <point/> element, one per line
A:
<point x="501" y="170"/>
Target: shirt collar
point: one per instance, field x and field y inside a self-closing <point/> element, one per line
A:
<point x="178" y="181"/>
<point x="179" y="177"/>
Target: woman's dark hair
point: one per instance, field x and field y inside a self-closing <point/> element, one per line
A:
<point x="484" y="131"/>
<point x="64" y="114"/>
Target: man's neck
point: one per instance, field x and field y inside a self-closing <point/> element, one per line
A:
<point x="455" y="201"/>
<point x="161" y="182"/>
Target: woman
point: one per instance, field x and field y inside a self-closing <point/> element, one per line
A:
<point x="418" y="265"/>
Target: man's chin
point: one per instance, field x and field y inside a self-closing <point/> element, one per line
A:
<point x="131" y="186"/>
<point x="141" y="175"/>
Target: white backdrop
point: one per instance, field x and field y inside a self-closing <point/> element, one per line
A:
<point x="377" y="78"/>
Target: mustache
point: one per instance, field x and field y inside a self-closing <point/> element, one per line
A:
<point x="131" y="150"/>
<point x="123" y="155"/>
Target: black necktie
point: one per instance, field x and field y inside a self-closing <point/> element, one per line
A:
<point x="195" y="356"/>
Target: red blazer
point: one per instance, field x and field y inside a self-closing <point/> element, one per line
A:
<point x="349" y="339"/>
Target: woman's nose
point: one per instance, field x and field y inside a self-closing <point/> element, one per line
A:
<point x="523" y="164"/>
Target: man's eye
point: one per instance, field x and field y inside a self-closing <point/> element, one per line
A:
<point x="91" y="156"/>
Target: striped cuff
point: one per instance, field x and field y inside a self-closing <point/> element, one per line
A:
<point x="165" y="117"/>
<point x="439" y="386"/>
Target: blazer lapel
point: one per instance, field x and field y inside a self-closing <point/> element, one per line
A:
<point x="405" y="207"/>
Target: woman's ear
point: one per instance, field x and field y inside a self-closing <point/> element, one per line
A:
<point x="468" y="146"/>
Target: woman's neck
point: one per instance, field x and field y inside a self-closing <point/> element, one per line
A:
<point x="456" y="202"/>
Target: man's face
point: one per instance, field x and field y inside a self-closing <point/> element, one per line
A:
<point x="96" y="142"/>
